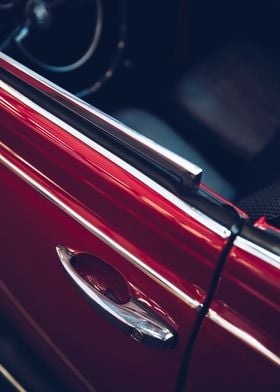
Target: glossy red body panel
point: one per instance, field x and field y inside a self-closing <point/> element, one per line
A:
<point x="239" y="340"/>
<point x="38" y="83"/>
<point x="237" y="345"/>
<point x="183" y="251"/>
<point x="264" y="225"/>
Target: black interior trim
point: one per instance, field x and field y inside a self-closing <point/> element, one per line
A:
<point x="266" y="239"/>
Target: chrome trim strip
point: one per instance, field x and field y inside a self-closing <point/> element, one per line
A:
<point x="139" y="322"/>
<point x="243" y="336"/>
<point x="258" y="251"/>
<point x="11" y="379"/>
<point x="189" y="173"/>
<point x="138" y="263"/>
<point x="199" y="216"/>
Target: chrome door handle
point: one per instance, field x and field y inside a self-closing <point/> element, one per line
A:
<point x="141" y="323"/>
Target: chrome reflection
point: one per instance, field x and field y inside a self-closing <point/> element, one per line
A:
<point x="11" y="379"/>
<point x="138" y="263"/>
<point x="258" y="251"/>
<point x="199" y="216"/>
<point x="243" y="336"/>
<point x="188" y="172"/>
<point x="139" y="322"/>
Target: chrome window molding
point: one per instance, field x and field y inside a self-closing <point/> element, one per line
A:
<point x="189" y="173"/>
<point x="258" y="251"/>
<point x="199" y="216"/>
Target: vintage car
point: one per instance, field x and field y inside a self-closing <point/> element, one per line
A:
<point x="140" y="241"/>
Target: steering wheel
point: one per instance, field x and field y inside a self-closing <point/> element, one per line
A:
<point x="76" y="43"/>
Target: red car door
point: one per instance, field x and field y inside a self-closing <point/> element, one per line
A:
<point x="239" y="339"/>
<point x="103" y="270"/>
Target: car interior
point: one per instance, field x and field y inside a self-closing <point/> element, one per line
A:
<point x="198" y="77"/>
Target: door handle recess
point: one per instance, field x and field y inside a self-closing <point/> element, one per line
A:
<point x="141" y="323"/>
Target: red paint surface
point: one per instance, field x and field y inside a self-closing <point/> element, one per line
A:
<point x="164" y="237"/>
<point x="264" y="225"/>
<point x="248" y="299"/>
<point x="85" y="348"/>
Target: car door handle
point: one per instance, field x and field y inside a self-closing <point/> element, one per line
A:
<point x="141" y="323"/>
